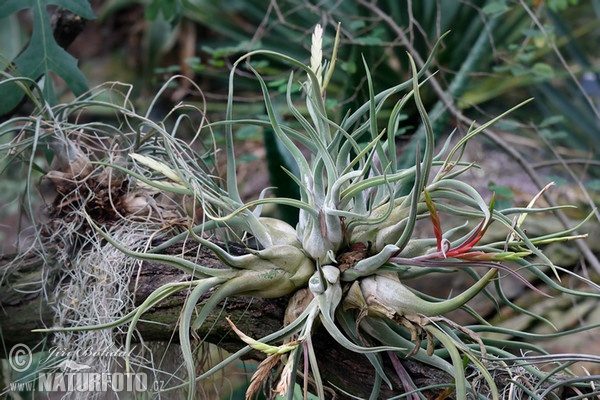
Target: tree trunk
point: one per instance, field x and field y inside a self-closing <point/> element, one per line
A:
<point x="24" y="307"/>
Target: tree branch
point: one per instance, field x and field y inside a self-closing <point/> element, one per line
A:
<point x="25" y="306"/>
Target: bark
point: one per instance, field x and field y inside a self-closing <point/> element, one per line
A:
<point x="24" y="306"/>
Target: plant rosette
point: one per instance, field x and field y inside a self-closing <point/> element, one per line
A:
<point x="346" y="262"/>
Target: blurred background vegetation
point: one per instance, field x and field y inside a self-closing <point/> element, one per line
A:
<point x="496" y="54"/>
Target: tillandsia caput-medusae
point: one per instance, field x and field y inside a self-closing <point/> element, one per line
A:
<point x="347" y="259"/>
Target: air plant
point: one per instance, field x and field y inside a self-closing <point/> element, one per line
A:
<point x="354" y="247"/>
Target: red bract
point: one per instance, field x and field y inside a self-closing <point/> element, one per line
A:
<point x="462" y="250"/>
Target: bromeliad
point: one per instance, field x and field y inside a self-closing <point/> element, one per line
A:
<point x="346" y="262"/>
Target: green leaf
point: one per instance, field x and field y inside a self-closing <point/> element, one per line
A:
<point x="559" y="5"/>
<point x="368" y="41"/>
<point x="357" y="24"/>
<point x="532" y="32"/>
<point x="495" y="7"/>
<point x="593" y="185"/>
<point x="43" y="54"/>
<point x="501" y="190"/>
<point x="543" y="70"/>
<point x="552" y="120"/>
<point x="349" y="67"/>
<point x="170" y="10"/>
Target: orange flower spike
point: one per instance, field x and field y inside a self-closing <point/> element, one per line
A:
<point x="435" y="219"/>
<point x="476" y="237"/>
<point x="469" y="243"/>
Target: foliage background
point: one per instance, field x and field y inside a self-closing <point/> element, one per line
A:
<point x="496" y="54"/>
